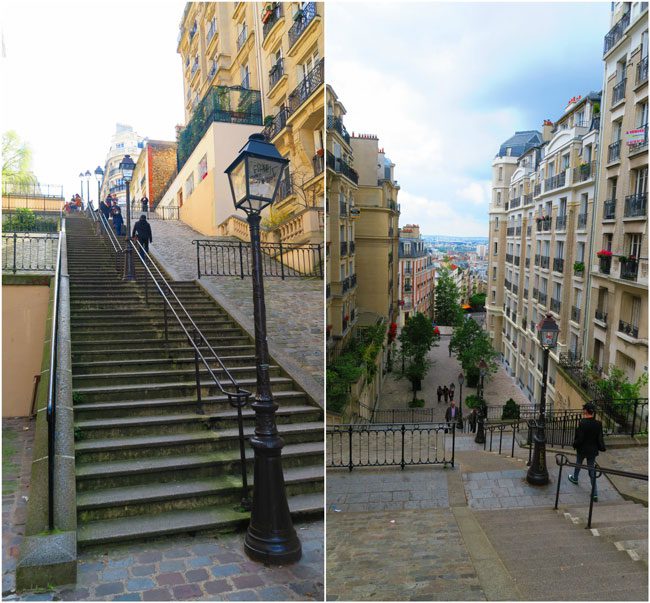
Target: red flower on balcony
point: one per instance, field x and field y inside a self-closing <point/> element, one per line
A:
<point x="604" y="253"/>
<point x="436" y="331"/>
<point x="346" y="317"/>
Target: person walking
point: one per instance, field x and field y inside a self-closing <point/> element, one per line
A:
<point x="105" y="208"/>
<point x="473" y="420"/>
<point x="452" y="389"/>
<point x="439" y="392"/>
<point x="145" y="204"/>
<point x="142" y="230"/>
<point x="452" y="415"/>
<point x="587" y="443"/>
<point x="118" y="221"/>
<point x="445" y="393"/>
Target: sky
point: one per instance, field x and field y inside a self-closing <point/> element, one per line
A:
<point x="71" y="74"/>
<point x="444" y="84"/>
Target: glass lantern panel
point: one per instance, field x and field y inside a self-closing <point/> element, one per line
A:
<point x="547" y="338"/>
<point x="263" y="177"/>
<point x="238" y="181"/>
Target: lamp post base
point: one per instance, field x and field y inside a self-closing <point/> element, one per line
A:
<point x="537" y="474"/>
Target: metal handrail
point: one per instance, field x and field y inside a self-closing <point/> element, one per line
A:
<point x="237" y="399"/>
<point x="51" y="398"/>
<point x="562" y="460"/>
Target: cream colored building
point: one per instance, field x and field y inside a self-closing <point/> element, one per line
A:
<point x="251" y="67"/>
<point x="618" y="308"/>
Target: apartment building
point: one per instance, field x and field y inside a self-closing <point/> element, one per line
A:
<point x="342" y="180"/>
<point x="154" y="169"/>
<point x="250" y="67"/>
<point x="618" y="308"/>
<point x="416" y="277"/>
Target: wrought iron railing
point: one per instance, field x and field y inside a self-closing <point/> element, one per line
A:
<point x="276" y="126"/>
<point x="318" y="163"/>
<point x="614" y="151"/>
<point x="605" y="265"/>
<point x="310" y="83"/>
<point x="342" y="167"/>
<point x="609" y="210"/>
<point x="642" y="71"/>
<point x="14" y="222"/>
<point x="29" y="252"/>
<point x="302" y="21"/>
<point x="582" y="220"/>
<point x="276" y="13"/>
<point x="381" y="445"/>
<point x="600" y="315"/>
<point x="560" y="222"/>
<point x="242" y="37"/>
<point x="616" y="32"/>
<point x="344" y="248"/>
<point x="555" y="304"/>
<point x="168" y="212"/>
<point x="629" y="269"/>
<point x="555" y="181"/>
<point x="283" y="260"/>
<point x="618" y="92"/>
<point x="336" y="123"/>
<point x="628" y="329"/>
<point x="558" y="264"/>
<point x="636" y="205"/>
<point x="276" y="72"/>
<point x="575" y="313"/>
<point x="32" y="189"/>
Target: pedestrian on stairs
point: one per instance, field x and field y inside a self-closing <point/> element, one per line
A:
<point x="145" y="204"/>
<point x="445" y="393"/>
<point x="116" y="213"/>
<point x="587" y="443"/>
<point x="142" y="230"/>
<point x="105" y="208"/>
<point x="452" y="415"/>
<point x="452" y="388"/>
<point x="439" y="393"/>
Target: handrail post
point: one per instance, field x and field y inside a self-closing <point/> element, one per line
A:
<point x="559" y="481"/>
<point x="514" y="429"/>
<point x="241" y="261"/>
<point x="350" y="465"/>
<point x="197" y="373"/>
<point x="245" y="500"/>
<point x="15" y="242"/>
<point x="198" y="260"/>
<point x="634" y="419"/>
<point x="453" y="443"/>
<point x="591" y="498"/>
<point x="403" y="463"/>
<point x="165" y="318"/>
<point x="500" y="437"/>
<point x="281" y="262"/>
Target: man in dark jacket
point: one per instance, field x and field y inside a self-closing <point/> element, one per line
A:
<point x="142" y="230"/>
<point x="588" y="441"/>
<point x="105" y="208"/>
<point x="145" y="204"/>
<point x="452" y="415"/>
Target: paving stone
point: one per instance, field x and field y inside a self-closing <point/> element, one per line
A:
<point x="197" y="575"/>
<point x="170" y="579"/>
<point x="172" y="565"/>
<point x="247" y="581"/>
<point x="111" y="588"/>
<point x="149" y="557"/>
<point x="242" y="595"/>
<point x="112" y="575"/>
<point x="215" y="587"/>
<point x="143" y="570"/>
<point x="158" y="594"/>
<point x="221" y="571"/>
<point x="187" y="591"/>
<point x="136" y="584"/>
<point x="128" y="597"/>
<point x="196" y="562"/>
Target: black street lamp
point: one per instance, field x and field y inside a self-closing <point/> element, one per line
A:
<point x="126" y="167"/>
<point x="254" y="177"/>
<point x="87" y="177"/>
<point x="537" y="475"/>
<point x="461" y="380"/>
<point x="480" y="432"/>
<point x="99" y="175"/>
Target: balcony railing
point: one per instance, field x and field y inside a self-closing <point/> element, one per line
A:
<point x="353" y="284"/>
<point x="527" y="199"/>
<point x="575" y="314"/>
<point x="618" y="92"/>
<point x="340" y="166"/>
<point x="285" y="188"/>
<point x="642" y="71"/>
<point x="541" y="298"/>
<point x="614" y="151"/>
<point x="535" y="293"/>
<point x="510" y="232"/>
<point x="584" y="172"/>
<point x="509" y="258"/>
<point x="515" y="288"/>
<point x="212" y="31"/>
<point x="555" y="181"/>
<point x="352" y="246"/>
<point x="560" y="222"/>
<point x="527" y="262"/>
<point x="345" y="284"/>
<point x="241" y="38"/>
<point x="514" y="203"/>
<point x="636" y="205"/>
<point x="516" y="259"/>
<point x="605" y="265"/>
<point x="628" y="329"/>
<point x="582" y="220"/>
<point x="558" y="264"/>
<point x="195" y="68"/>
<point x="544" y="261"/>
<point x="311" y="82"/>
<point x="302" y="20"/>
<point x="529" y="230"/>
<point x="277" y="125"/>
<point x="537" y="190"/>
<point x="272" y="19"/>
<point x="525" y="296"/>
<point x="555" y="304"/>
<point x="629" y="270"/>
<point x="609" y="210"/>
<point x="344" y="248"/>
<point x="507" y="284"/>
<point x="318" y="161"/>
<point x="276" y="72"/>
<point x="336" y="123"/>
<point x="641" y="144"/>
<point x="517" y="231"/>
<point x="616" y="32"/>
<point x="601" y="315"/>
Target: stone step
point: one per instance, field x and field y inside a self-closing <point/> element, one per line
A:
<point x="144" y="408"/>
<point x="91" y="476"/>
<point x="139" y="425"/>
<point x="113" y="449"/>
<point x="171" y="389"/>
<point x="174" y="339"/>
<point x="174" y="522"/>
<point x="124" y="365"/>
<point x="128" y="322"/>
<point x="145" y="499"/>
<point x="149" y="330"/>
<point x="604" y="514"/>
<point x="151" y="352"/>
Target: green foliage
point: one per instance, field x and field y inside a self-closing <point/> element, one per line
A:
<point x="24" y="220"/>
<point x="78" y="398"/>
<point x="418" y="336"/>
<point x="617" y="385"/>
<point x="16" y="159"/>
<point x="578" y="266"/>
<point x="448" y="310"/>
<point x="477" y="300"/>
<point x="416" y="403"/>
<point x="510" y="410"/>
<point x="474" y="401"/>
<point x="471" y="344"/>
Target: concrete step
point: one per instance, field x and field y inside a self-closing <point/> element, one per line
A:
<point x="92" y="476"/>
<point x="145" y="499"/>
<point x="605" y="514"/>
<point x="126" y="365"/>
<point x="87" y="352"/>
<point x="174" y="522"/>
<point x="173" y="339"/>
<point x="148" y="332"/>
<point x="114" y="449"/>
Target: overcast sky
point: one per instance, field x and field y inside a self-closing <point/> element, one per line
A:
<point x="443" y="85"/>
<point x="72" y="70"/>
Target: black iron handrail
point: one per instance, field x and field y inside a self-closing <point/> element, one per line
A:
<point x="562" y="460"/>
<point x="51" y="387"/>
<point x="20" y="245"/>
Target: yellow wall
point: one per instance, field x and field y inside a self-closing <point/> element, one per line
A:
<point x="24" y="312"/>
<point x="35" y="203"/>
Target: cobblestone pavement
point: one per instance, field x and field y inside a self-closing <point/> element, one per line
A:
<point x="634" y="459"/>
<point x="397" y="556"/>
<point x="294" y="307"/>
<point x="209" y="567"/>
<point x="17" y="441"/>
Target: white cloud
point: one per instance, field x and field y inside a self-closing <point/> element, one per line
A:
<point x="476" y="192"/>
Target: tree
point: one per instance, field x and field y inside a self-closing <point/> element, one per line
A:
<point x="417" y="337"/>
<point x="448" y="310"/>
<point x="477" y="300"/>
<point x="16" y="159"/>
<point x="471" y="345"/>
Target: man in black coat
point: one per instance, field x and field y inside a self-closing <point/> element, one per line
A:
<point x="142" y="230"/>
<point x="452" y="415"/>
<point x="588" y="441"/>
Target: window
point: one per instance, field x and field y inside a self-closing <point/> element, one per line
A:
<point x="559" y="249"/>
<point x="557" y="291"/>
<point x="245" y="76"/>
<point x="562" y="211"/>
<point x="565" y="161"/>
<point x="203" y="167"/>
<point x="308" y="65"/>
<point x="496" y="248"/>
<point x="119" y="145"/>
<point x="500" y="174"/>
<point x="620" y="71"/>
<point x="580" y="252"/>
<point x="586" y="154"/>
<point x="612" y="184"/>
<point x="189" y="185"/>
<point x="641" y="181"/>
<point x="642" y="114"/>
<point x="634" y="245"/>
<point x="607" y="241"/>
<point x="499" y="198"/>
<point x="494" y="273"/>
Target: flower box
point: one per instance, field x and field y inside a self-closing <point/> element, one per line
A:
<point x="604" y="253"/>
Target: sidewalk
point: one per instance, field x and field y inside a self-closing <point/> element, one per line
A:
<point x="205" y="567"/>
<point x="294" y="307"/>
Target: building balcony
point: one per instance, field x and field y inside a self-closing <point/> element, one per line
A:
<point x="541" y="298"/>
<point x="529" y="230"/>
<point x="582" y="220"/>
<point x="618" y="92"/>
<point x="527" y="262"/>
<point x="535" y="293"/>
<point x="516" y="260"/>
<point x="614" y="151"/>
<point x="629" y="270"/>
<point x="544" y="261"/>
<point x="242" y="37"/>
<point x="575" y="314"/>
<point x="515" y="288"/>
<point x="276" y="72"/>
<point x="558" y="264"/>
<point x="408" y="270"/>
<point x="276" y="126"/>
<point x="601" y="315"/>
<point x="276" y="14"/>
<point x="195" y="68"/>
<point x="353" y="281"/>
<point x="524" y="323"/>
<point x="285" y="187"/>
<point x="352" y="248"/>
<point x="515" y="203"/>
<point x="318" y="162"/>
<point x="642" y="143"/>
<point x="336" y="123"/>
<point x="310" y="83"/>
<point x="636" y="206"/>
<point x="212" y="31"/>
<point x="345" y="284"/>
<point x="507" y="284"/>
<point x="642" y="71"/>
<point x="560" y="222"/>
<point x="555" y="181"/>
<point x="537" y="191"/>
<point x="527" y="199"/>
<point x="555" y="305"/>
<point x="605" y="265"/>
<point x="609" y="210"/>
<point x="584" y="172"/>
<point x="544" y="224"/>
<point x="510" y="231"/>
<point x="616" y="32"/>
<point x="525" y="293"/>
<point x="302" y="19"/>
<point x="517" y="231"/>
<point x="341" y="167"/>
<point x="509" y="258"/>
<point x="344" y="248"/>
<point x="628" y="329"/>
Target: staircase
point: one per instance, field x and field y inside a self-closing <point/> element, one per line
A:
<point x="148" y="463"/>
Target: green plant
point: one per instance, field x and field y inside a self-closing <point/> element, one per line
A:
<point x="471" y="345"/>
<point x="511" y="410"/>
<point x="448" y="310"/>
<point x="78" y="398"/>
<point x="477" y="300"/>
<point x="79" y="434"/>
<point x="578" y="266"/>
<point x="416" y="403"/>
<point x="474" y="401"/>
<point x="268" y="120"/>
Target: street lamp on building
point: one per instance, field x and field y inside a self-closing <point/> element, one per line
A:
<point x="254" y="177"/>
<point x="482" y="409"/>
<point x="547" y="333"/>
<point x="461" y="380"/>
<point x="126" y="167"/>
<point x="99" y="175"/>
